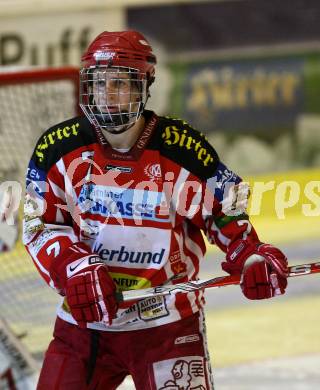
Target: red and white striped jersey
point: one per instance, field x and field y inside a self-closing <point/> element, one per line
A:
<point x="142" y="211"/>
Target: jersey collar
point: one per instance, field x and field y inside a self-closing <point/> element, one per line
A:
<point x="137" y="149"/>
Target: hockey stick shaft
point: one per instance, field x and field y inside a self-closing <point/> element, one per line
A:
<point x="221" y="281"/>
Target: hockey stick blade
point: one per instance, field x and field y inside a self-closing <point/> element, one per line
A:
<point x="221" y="281"/>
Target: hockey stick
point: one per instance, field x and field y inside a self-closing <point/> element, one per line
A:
<point x="221" y="281"/>
<point x="20" y="367"/>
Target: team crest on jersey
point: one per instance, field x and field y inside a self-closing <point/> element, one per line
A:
<point x="177" y="265"/>
<point x="153" y="171"/>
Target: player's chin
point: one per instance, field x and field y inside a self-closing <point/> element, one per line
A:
<point x="116" y="131"/>
<point x="109" y="111"/>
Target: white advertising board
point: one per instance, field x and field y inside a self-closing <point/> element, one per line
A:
<point x="53" y="39"/>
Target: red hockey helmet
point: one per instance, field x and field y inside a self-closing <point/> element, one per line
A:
<point x="123" y="57"/>
<point x="125" y="48"/>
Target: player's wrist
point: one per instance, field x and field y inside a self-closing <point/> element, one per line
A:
<point x="84" y="263"/>
<point x="242" y="254"/>
<point x="263" y="268"/>
<point x="238" y="253"/>
<point x="73" y="260"/>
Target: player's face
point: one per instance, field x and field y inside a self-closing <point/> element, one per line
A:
<point x="115" y="91"/>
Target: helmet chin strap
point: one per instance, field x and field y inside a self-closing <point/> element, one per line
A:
<point x="121" y="128"/>
<point x="104" y="119"/>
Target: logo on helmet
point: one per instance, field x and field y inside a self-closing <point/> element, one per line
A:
<point x="104" y="55"/>
<point x="143" y="42"/>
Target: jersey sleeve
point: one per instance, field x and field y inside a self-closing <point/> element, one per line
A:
<point x="48" y="228"/>
<point x="224" y="208"/>
<point x="214" y="197"/>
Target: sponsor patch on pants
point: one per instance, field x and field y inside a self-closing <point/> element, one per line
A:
<point x="191" y="338"/>
<point x="184" y="373"/>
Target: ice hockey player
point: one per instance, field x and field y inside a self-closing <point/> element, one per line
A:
<point x="117" y="200"/>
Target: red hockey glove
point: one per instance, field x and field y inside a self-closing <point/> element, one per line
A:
<point x="263" y="268"/>
<point x="88" y="287"/>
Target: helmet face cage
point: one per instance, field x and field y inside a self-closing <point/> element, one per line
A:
<point x="112" y="98"/>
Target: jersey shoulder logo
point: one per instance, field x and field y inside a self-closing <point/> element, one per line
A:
<point x="62" y="139"/>
<point x="188" y="147"/>
<point x="55" y="136"/>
